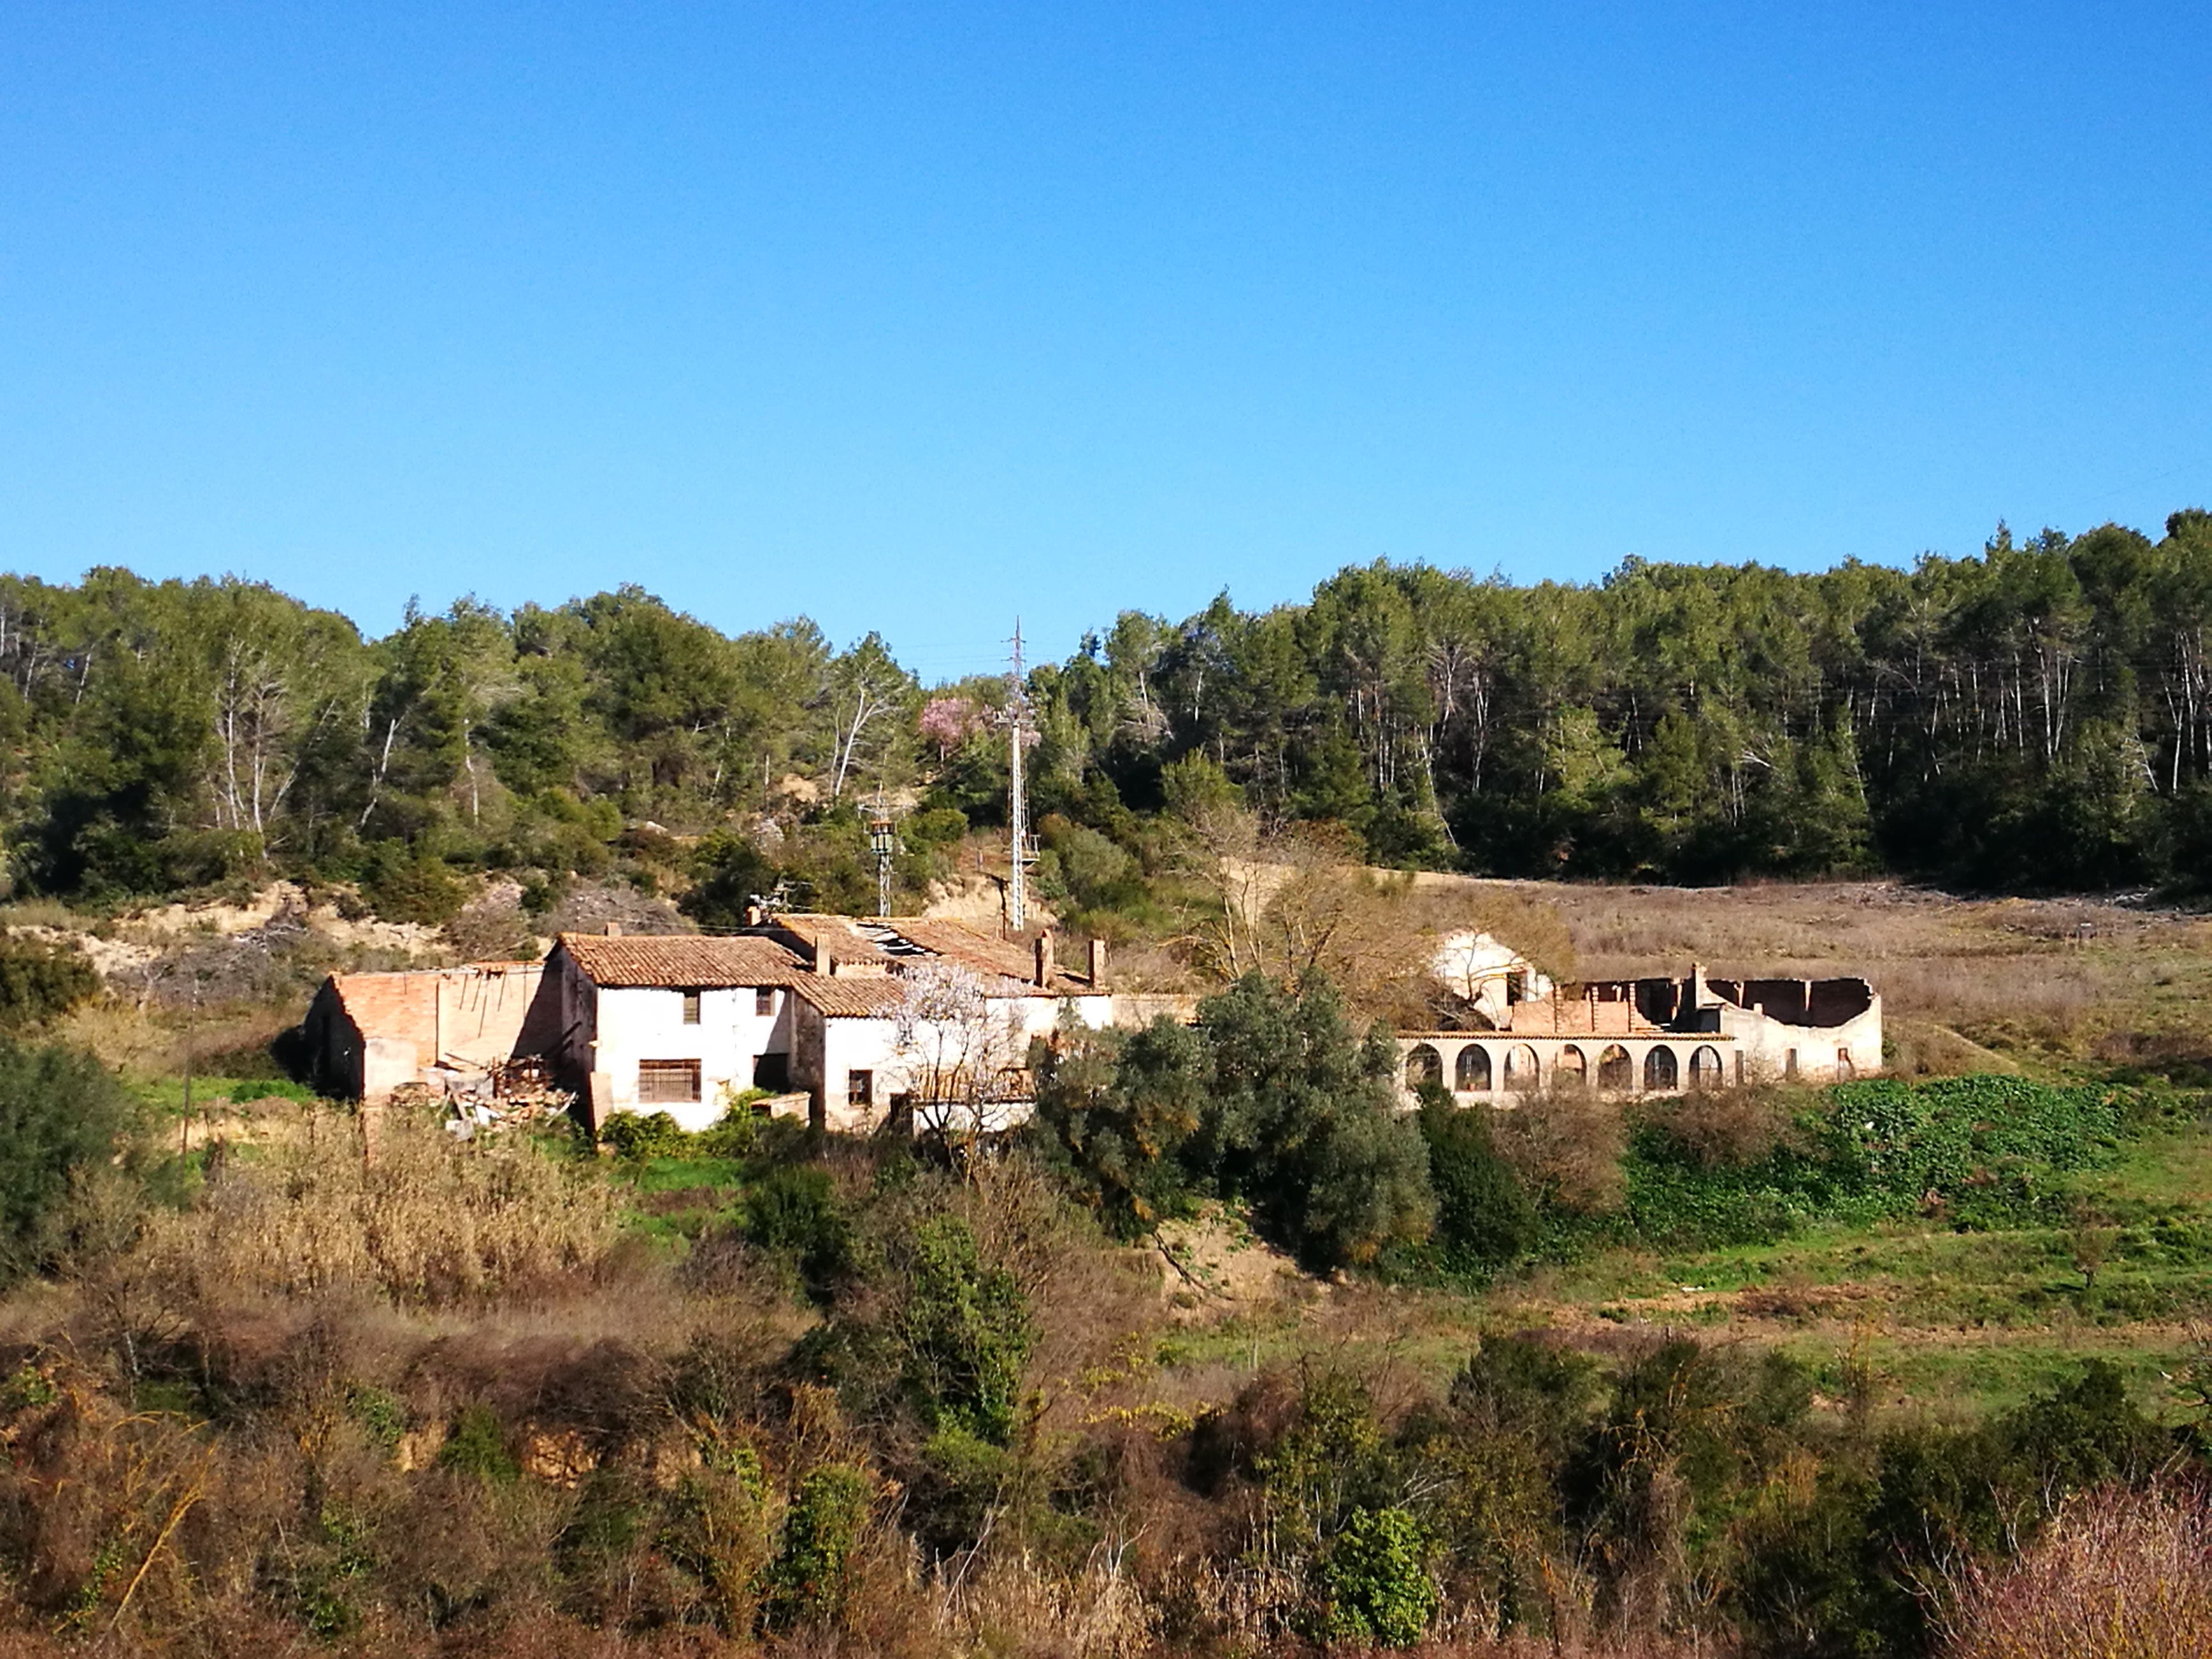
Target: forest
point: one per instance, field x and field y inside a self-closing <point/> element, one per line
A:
<point x="2038" y="717"/>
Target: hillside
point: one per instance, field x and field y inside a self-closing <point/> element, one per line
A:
<point x="1751" y="1373"/>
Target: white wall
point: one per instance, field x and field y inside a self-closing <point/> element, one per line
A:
<point x="851" y="1044"/>
<point x="647" y="1024"/>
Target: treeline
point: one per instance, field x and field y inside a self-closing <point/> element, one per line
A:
<point x="2037" y="716"/>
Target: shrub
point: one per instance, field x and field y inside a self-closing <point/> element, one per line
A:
<point x="1484" y="1216"/>
<point x="2119" y="1575"/>
<point x="420" y="889"/>
<point x="1375" y="1579"/>
<point x="477" y="1445"/>
<point x="964" y="1331"/>
<point x="41" y="981"/>
<point x="61" y="1113"/>
<point x="645" y="1135"/>
<point x="794" y="1209"/>
<point x="1114" y="1110"/>
<point x="806" y="1581"/>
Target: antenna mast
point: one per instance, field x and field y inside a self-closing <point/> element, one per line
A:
<point x="882" y="839"/>
<point x="1017" y="806"/>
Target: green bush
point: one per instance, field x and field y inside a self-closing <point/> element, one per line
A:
<point x="419" y="887"/>
<point x="40" y="981"/>
<point x="1485" y="1217"/>
<point x="1991" y="1150"/>
<point x="1375" y="1579"/>
<point x="794" y="1209"/>
<point x="644" y="1135"/>
<point x="1300" y="1119"/>
<point x="477" y="1445"/>
<point x="805" y="1582"/>
<point x="964" y="1331"/>
<point x="61" y="1113"/>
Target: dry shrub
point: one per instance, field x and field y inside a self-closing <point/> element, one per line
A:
<point x="1729" y="1126"/>
<point x="1566" y="1146"/>
<point x="2119" y="1575"/>
<point x="428" y="1220"/>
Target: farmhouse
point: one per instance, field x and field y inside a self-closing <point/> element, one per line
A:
<point x="1653" y="1037"/>
<point x="871" y="1018"/>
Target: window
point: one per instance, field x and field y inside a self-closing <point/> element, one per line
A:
<point x="667" y="1082"/>
<point x="1790" y="1065"/>
<point x="860" y="1088"/>
<point x="691" y="1008"/>
<point x="1845" y="1069"/>
<point x="763" y="1000"/>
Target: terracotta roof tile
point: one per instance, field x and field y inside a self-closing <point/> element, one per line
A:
<point x="688" y="961"/>
<point x="855" y="999"/>
<point x="1009" y="959"/>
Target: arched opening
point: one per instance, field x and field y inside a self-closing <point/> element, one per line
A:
<point x="1616" y="1071"/>
<point x="1423" y="1065"/>
<point x="1521" y="1068"/>
<point x="1660" y="1071"/>
<point x="1844" y="1070"/>
<point x="1471" y="1074"/>
<point x="1705" y="1067"/>
<point x="1570" y="1071"/>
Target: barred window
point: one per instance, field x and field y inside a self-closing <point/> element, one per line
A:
<point x="691" y="1008"/>
<point x="667" y="1082"/>
<point x="763" y="1000"/>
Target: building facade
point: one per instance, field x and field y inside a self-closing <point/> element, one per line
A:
<point x="1655" y="1036"/>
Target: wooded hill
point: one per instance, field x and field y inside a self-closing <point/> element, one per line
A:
<point x="2037" y="716"/>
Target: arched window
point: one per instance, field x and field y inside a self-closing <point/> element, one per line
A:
<point x="1521" y="1068"/>
<point x="1705" y="1067"/>
<point x="1572" y="1071"/>
<point x="1616" y="1071"/>
<point x="1471" y="1074"/>
<point x="1660" y="1073"/>
<point x="1423" y="1065"/>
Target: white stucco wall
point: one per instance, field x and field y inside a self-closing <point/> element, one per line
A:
<point x="1765" y="1045"/>
<point x="634" y="1025"/>
<point x="850" y="1044"/>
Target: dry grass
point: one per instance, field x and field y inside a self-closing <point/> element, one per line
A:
<point x="424" y="1221"/>
<point x="2041" y="976"/>
<point x="2119" y="1575"/>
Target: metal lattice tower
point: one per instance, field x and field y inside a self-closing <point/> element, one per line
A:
<point x="883" y="841"/>
<point x="1021" y="854"/>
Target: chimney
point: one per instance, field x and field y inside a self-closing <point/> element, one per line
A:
<point x="1044" y="959"/>
<point x="822" y="963"/>
<point x="1097" y="962"/>
<point x="752" y="916"/>
<point x="613" y="930"/>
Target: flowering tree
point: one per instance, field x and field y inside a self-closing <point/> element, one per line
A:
<point x="948" y="722"/>
<point x="954" y="1047"/>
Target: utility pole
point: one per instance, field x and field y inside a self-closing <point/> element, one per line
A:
<point x="1018" y="727"/>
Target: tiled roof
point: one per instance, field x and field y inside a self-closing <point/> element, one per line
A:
<point x="1008" y="959"/>
<point x="837" y="932"/>
<point x="686" y="962"/>
<point x="857" y="998"/>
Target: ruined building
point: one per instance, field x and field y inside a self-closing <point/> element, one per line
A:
<point x="1653" y="1037"/>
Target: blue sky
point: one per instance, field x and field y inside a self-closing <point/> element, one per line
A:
<point x="908" y="317"/>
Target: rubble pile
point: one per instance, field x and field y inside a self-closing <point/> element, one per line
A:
<point x="499" y="1096"/>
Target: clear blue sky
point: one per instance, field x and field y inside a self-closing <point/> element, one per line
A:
<point x="889" y="315"/>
